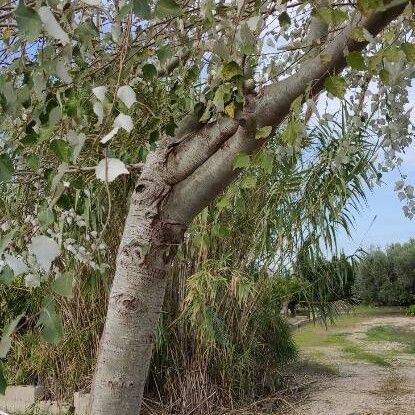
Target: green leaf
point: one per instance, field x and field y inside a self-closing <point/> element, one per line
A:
<point x="168" y="8"/>
<point x="391" y="54"/>
<point x="163" y="53"/>
<point x="5" y="346"/>
<point x="63" y="285"/>
<point x="356" y="61"/>
<point x="224" y="202"/>
<point x="50" y="323"/>
<point x="249" y="182"/>
<point x="6" y="168"/>
<point x="361" y="34"/>
<point x="3" y="380"/>
<point x="142" y="9"/>
<point x="28" y="22"/>
<point x="46" y="216"/>
<point x="222" y="94"/>
<point x="247" y="40"/>
<point x="6" y="240"/>
<point x="297" y="104"/>
<point x="263" y="132"/>
<point x="293" y="130"/>
<point x="385" y="76"/>
<point x="242" y="160"/>
<point x="5" y="343"/>
<point x="62" y="149"/>
<point x="149" y="71"/>
<point x="7" y="275"/>
<point x="87" y="31"/>
<point x="266" y="161"/>
<point x="368" y="6"/>
<point x="284" y="20"/>
<point x="409" y="50"/>
<point x="332" y="15"/>
<point x="336" y="85"/>
<point x="230" y="70"/>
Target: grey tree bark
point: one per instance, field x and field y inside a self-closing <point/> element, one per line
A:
<point x="178" y="180"/>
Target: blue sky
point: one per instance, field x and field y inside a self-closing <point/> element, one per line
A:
<point x="382" y="221"/>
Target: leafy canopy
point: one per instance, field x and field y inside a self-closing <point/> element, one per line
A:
<point x="87" y="89"/>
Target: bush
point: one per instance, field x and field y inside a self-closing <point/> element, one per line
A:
<point x="387" y="278"/>
<point x="411" y="310"/>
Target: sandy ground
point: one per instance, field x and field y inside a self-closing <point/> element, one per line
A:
<point x="363" y="388"/>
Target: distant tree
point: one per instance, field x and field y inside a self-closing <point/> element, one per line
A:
<point x="387" y="278"/>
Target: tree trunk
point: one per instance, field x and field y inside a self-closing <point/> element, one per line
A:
<point x="136" y="300"/>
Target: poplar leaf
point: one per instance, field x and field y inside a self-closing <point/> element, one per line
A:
<point x="242" y="160"/>
<point x="32" y="281"/>
<point x="230" y="70"/>
<point x="62" y="149"/>
<point x="336" y="85"/>
<point x="28" y="22"/>
<point x="124" y="121"/>
<point x="384" y="76"/>
<point x="5" y="343"/>
<point x="247" y="40"/>
<point x="263" y="132"/>
<point x="127" y="95"/>
<point x="45" y="250"/>
<point x="109" y="136"/>
<point x="62" y="72"/>
<point x="409" y="50"/>
<point x="142" y="9"/>
<point x="5" y="346"/>
<point x="168" y="8"/>
<point x="229" y="110"/>
<point x="355" y="60"/>
<point x="50" y="323"/>
<point x="17" y="265"/>
<point x="46" y="216"/>
<point x="51" y="25"/>
<point x="266" y="161"/>
<point x="63" y="285"/>
<point x="284" y="20"/>
<point x="249" y="182"/>
<point x="6" y="275"/>
<point x="109" y="169"/>
<point x="6" y="168"/>
<point x="99" y="92"/>
<point x="149" y="71"/>
<point x="99" y="112"/>
<point x="6" y="240"/>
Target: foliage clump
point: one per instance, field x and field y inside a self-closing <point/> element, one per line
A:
<point x="387" y="278"/>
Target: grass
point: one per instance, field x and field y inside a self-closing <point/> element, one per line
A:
<point x="338" y="339"/>
<point x="319" y="336"/>
<point x="392" y="334"/>
<point x="314" y="335"/>
<point x="358" y="353"/>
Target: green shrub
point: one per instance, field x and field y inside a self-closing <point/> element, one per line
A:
<point x="387" y="278"/>
<point x="411" y="310"/>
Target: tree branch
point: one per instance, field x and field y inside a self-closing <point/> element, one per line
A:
<point x="271" y="107"/>
<point x="277" y="98"/>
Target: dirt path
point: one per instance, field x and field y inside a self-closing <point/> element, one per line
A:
<point x="375" y="362"/>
